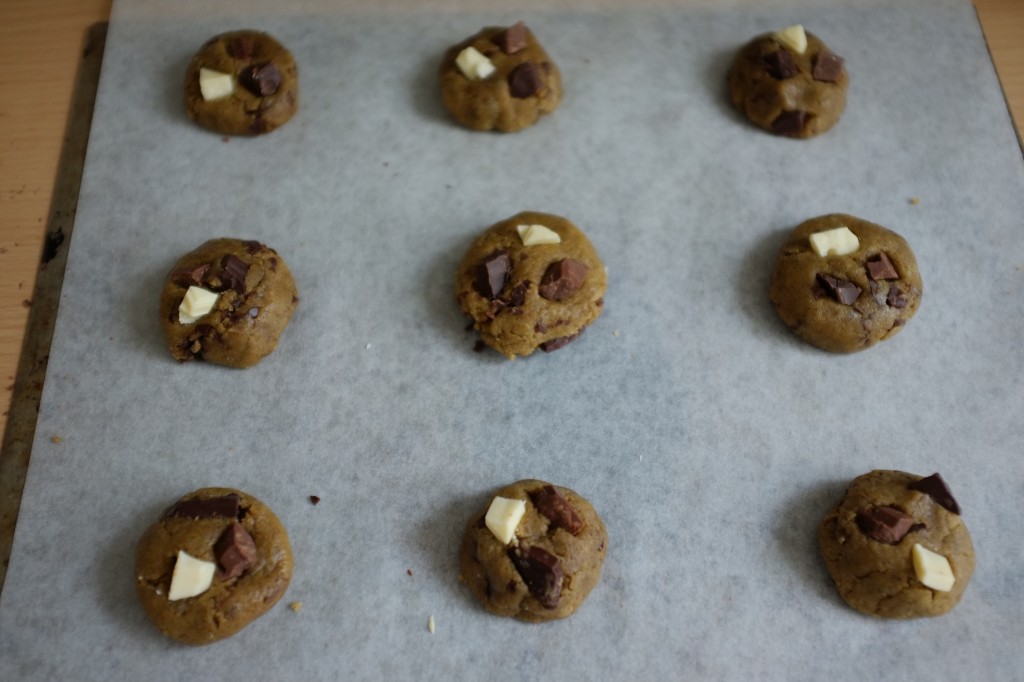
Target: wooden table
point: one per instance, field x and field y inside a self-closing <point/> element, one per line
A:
<point x="40" y="47"/>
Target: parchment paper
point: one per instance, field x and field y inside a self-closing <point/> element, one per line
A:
<point x="710" y="438"/>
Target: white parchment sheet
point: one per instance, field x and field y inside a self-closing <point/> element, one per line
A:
<point x="711" y="440"/>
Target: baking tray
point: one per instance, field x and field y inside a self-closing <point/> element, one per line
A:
<point x="710" y="439"/>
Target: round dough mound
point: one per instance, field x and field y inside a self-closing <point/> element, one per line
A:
<point x="878" y="578"/>
<point x="230" y="603"/>
<point x="802" y="299"/>
<point x="519" y="318"/>
<point x="489" y="568"/>
<point x="781" y="93"/>
<point x="257" y="297"/>
<point x="266" y="84"/>
<point x="489" y="104"/>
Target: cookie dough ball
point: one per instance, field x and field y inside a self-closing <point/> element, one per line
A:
<point x="500" y="79"/>
<point x="844" y="284"/>
<point x="896" y="547"/>
<point x="215" y="561"/>
<point x="227" y="302"/>
<point x="789" y="83"/>
<point x="242" y="83"/>
<point x="535" y="553"/>
<point x="531" y="281"/>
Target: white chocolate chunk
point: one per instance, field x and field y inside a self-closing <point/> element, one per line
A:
<point x="191" y="577"/>
<point x="838" y="241"/>
<point x="473" y="64"/>
<point x="197" y="302"/>
<point x="503" y="516"/>
<point x="793" y="37"/>
<point x="214" y="84"/>
<point x="933" y="570"/>
<point x="532" y="235"/>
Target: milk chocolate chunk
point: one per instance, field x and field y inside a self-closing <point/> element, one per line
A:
<point x="880" y="267"/>
<point x="224" y="506"/>
<point x="562" y="279"/>
<point x="780" y="65"/>
<point x="936" y="488"/>
<point x="512" y="39"/>
<point x="492" y="274"/>
<point x="542" y="573"/>
<point x="884" y="524"/>
<point x="525" y="81"/>
<point x="896" y="298"/>
<point x="261" y="79"/>
<point x="827" y="67"/>
<point x="234" y="273"/>
<point x="790" y="122"/>
<point x="562" y="341"/>
<point x="188" y="277"/>
<point x="844" y="291"/>
<point x="235" y="551"/>
<point x="240" y="47"/>
<point x="557" y="509"/>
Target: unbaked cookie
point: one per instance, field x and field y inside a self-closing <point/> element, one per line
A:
<point x="535" y="553"/>
<point x="789" y="83"/>
<point x="896" y="547"/>
<point x="227" y="302"/>
<point x="215" y="561"/>
<point x="531" y="281"/>
<point x="499" y="79"/>
<point x="242" y="83"/>
<point x="844" y="284"/>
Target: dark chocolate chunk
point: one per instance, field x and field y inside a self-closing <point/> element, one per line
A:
<point x="525" y="81"/>
<point x="234" y="273"/>
<point x="884" y="524"/>
<point x="198" y="508"/>
<point x="880" y="267"/>
<point x="241" y="47"/>
<point x="542" y="573"/>
<point x="934" y="487"/>
<point x="790" y="122"/>
<point x="253" y="246"/>
<point x="314" y="500"/>
<point x="896" y="298"/>
<point x="827" y="67"/>
<point x="492" y="274"/>
<point x="512" y="39"/>
<point x="780" y="64"/>
<point x="559" y="510"/>
<point x="562" y="279"/>
<point x="517" y="295"/>
<point x="561" y="342"/>
<point x="235" y="551"/>
<point x="261" y="79"/>
<point x="843" y="290"/>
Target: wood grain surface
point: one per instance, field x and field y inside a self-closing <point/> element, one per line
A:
<point x="41" y="43"/>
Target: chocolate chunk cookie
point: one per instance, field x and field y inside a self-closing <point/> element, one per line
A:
<point x="227" y="302"/>
<point x="844" y="284"/>
<point x="535" y="553"/>
<point x="896" y="547"/>
<point x="531" y="281"/>
<point x="242" y="83"/>
<point x="215" y="561"/>
<point x="789" y="83"/>
<point x="499" y="79"/>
